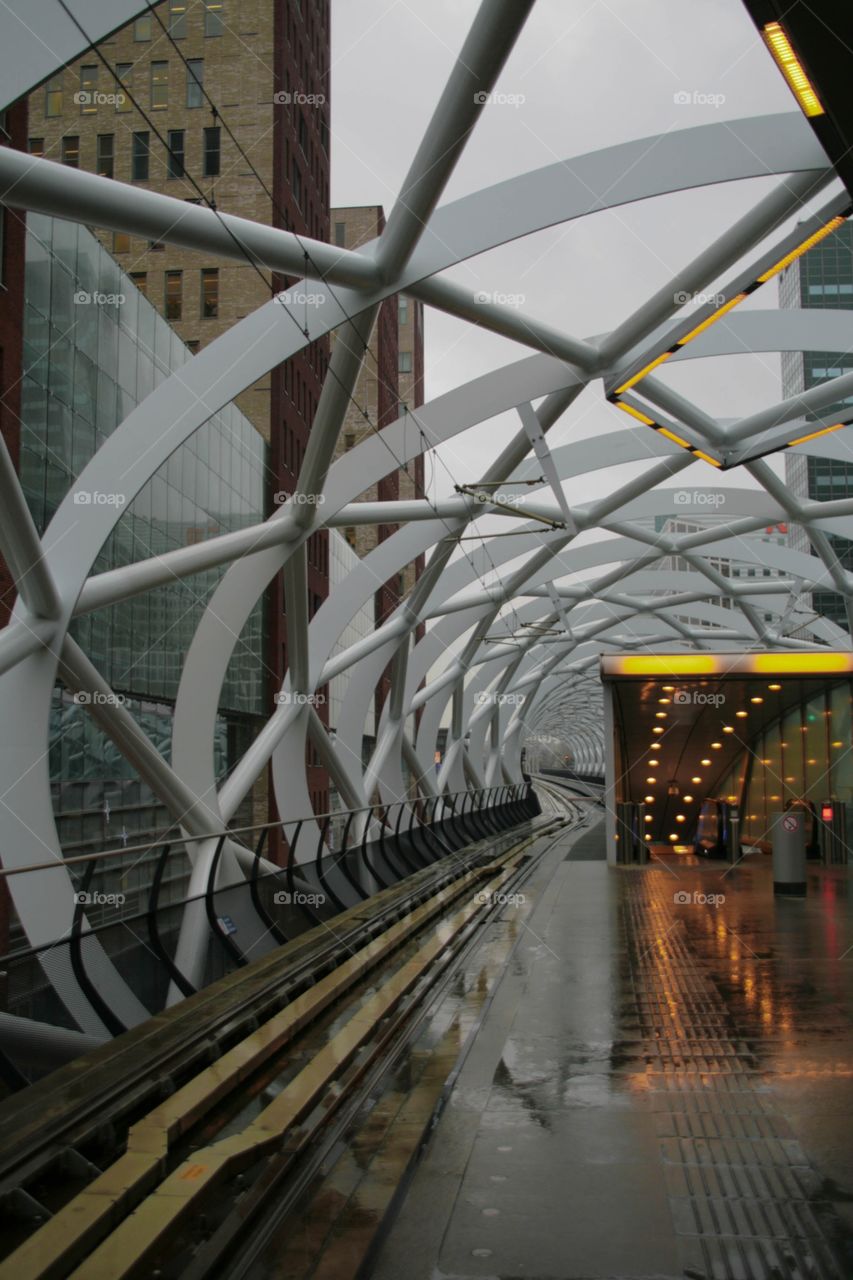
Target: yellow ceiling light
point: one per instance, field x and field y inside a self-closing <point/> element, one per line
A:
<point x="808" y="243"/>
<point x="757" y="700"/>
<point x="651" y="781"/>
<point x="696" y="780"/>
<point x="673" y="835"/>
<point x="715" y="746"/>
<point x="660" y="715"/>
<point x="635" y="413"/>
<point x="727" y="728"/>
<point x="712" y="319"/>
<point x="688" y="799"/>
<point x="792" y="69"/>
<point x="775" y="687"/>
<point x="741" y="715"/>
<point x="658" y="728"/>
<point x="648" y="818"/>
<point x="814" y="434"/>
<point x="706" y="762"/>
<point x="665" y="702"/>
<point x="653" y="364"/>
<point x="668" y="688"/>
<point x="679" y="817"/>
<point x="649" y="799"/>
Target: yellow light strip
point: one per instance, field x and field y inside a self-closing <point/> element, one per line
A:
<point x="814" y="435"/>
<point x="712" y="319"/>
<point x="801" y="664"/>
<point x="728" y="664"/>
<point x="706" y="457"/>
<point x="637" y="376"/>
<point x="668" y="664"/>
<point x="791" y="67"/>
<point x="635" y="413"/>
<point x="832" y="225"/>
<point x="670" y="435"/>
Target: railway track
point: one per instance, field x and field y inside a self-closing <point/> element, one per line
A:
<point x="181" y="1148"/>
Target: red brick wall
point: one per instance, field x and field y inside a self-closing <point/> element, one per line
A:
<point x="301" y="67"/>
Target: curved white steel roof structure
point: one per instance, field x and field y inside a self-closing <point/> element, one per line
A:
<point x="511" y="646"/>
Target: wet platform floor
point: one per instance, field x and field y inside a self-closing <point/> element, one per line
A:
<point x="661" y="1085"/>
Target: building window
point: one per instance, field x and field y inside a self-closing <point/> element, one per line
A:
<point x="296" y="183"/>
<point x="159" y="86"/>
<point x="105" y="155"/>
<point x="213" y="18"/>
<point x="193" y="345"/>
<point x="209" y="293"/>
<point x="156" y="246"/>
<point x="88" y="89"/>
<point x="174" y="295"/>
<point x="403" y="310"/>
<point x="140" y="156"/>
<point x="121" y="242"/>
<point x="195" y="80"/>
<point x="142" y="28"/>
<point x="211" y="152"/>
<point x="124" y="71"/>
<point x="177" y="19"/>
<point x="140" y="279"/>
<point x="176" y="153"/>
<point x="53" y="96"/>
<point x="36" y="146"/>
<point x="341" y="234"/>
<point x="71" y="151"/>
<point x="404" y="364"/>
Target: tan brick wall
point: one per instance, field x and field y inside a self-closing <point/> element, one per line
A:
<point x="238" y="75"/>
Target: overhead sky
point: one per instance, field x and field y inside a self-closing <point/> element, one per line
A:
<point x="582" y="76"/>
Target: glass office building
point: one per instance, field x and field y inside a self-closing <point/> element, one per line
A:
<point x="94" y="348"/>
<point x="821" y="278"/>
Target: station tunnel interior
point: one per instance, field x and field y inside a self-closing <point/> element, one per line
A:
<point x="758" y="740"/>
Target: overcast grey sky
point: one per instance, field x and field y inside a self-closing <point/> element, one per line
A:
<point x="591" y="75"/>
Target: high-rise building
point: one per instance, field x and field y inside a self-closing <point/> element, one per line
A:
<point x="821" y="278"/>
<point x="225" y="104"/>
<point x="391" y="379"/>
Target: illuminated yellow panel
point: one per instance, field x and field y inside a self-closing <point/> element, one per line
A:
<point x="669" y="664"/>
<point x="670" y="435"/>
<point x="802" y="664"/>
<point x="706" y="457"/>
<point x="635" y="413"/>
<point x="637" y="376"/>
<point x="814" y="435"/>
<point x="712" y="319"/>
<point x="792" y="69"/>
<point x="832" y="225"/>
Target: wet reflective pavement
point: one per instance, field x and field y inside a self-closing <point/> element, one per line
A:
<point x="661" y="1086"/>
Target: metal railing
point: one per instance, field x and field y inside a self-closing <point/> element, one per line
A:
<point x="332" y="862"/>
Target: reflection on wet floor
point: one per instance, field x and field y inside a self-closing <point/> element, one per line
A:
<point x="661" y="1087"/>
